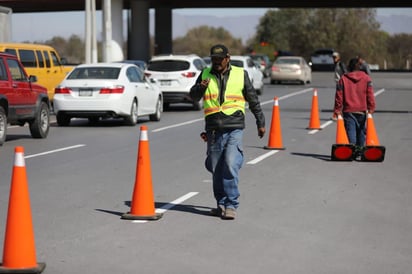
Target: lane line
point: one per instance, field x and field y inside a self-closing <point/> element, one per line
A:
<point x="54" y="151"/>
<point x="262" y="157"/>
<point x="288" y="95"/>
<point x="170" y="205"/>
<point x="178" y="125"/>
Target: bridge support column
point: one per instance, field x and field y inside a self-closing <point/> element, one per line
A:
<point x="163" y="30"/>
<point x="138" y="44"/>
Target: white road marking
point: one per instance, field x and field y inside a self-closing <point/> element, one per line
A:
<point x="178" y="125"/>
<point x="170" y="205"/>
<point x="288" y="95"/>
<point x="54" y="151"/>
<point x="262" y="157"/>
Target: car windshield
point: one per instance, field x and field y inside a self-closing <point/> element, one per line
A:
<point x="94" y="73"/>
<point x="288" y="61"/>
<point x="237" y="63"/>
<point x="168" y="65"/>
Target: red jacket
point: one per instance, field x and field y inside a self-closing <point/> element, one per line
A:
<point x="354" y="93"/>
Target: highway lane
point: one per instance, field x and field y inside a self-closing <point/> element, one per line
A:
<point x="299" y="212"/>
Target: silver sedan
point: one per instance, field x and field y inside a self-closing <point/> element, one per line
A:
<point x="291" y="69"/>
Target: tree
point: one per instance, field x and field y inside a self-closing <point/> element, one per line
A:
<point x="400" y="51"/>
<point x="199" y="41"/>
<point x="302" y="31"/>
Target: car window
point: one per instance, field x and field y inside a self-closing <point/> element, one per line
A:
<point x="40" y="58"/>
<point x="3" y="74"/>
<point x="199" y="64"/>
<point x="11" y="51"/>
<point x="28" y="58"/>
<point x="168" y="65"/>
<point x="133" y="75"/>
<point x="16" y="71"/>
<point x="287" y="61"/>
<point x="94" y="73"/>
<point x="237" y="63"/>
<point x="250" y="63"/>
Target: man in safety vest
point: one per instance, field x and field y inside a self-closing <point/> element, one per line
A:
<point x="225" y="89"/>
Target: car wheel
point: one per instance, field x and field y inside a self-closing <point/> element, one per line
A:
<point x="273" y="82"/>
<point x="3" y="126"/>
<point x="159" y="109"/>
<point x="39" y="127"/>
<point x="62" y="119"/>
<point x="131" y="120"/>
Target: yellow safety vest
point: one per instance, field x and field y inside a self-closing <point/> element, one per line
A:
<point x="233" y="100"/>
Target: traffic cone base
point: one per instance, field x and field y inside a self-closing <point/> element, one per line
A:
<point x="35" y="270"/>
<point x="342" y="152"/>
<point x="274" y="148"/>
<point x="374" y="154"/>
<point x="129" y="216"/>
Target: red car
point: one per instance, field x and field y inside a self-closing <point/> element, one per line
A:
<point x="21" y="100"/>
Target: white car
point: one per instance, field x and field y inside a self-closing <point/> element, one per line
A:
<point x="291" y="69"/>
<point x="107" y="90"/>
<point x="255" y="74"/>
<point x="176" y="74"/>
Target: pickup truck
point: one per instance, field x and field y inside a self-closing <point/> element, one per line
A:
<point x="21" y="100"/>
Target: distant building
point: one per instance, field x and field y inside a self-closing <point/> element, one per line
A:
<point x="5" y="24"/>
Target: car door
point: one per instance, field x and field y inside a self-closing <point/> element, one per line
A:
<point x="21" y="96"/>
<point x="143" y="90"/>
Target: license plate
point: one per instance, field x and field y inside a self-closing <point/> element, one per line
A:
<point x="166" y="82"/>
<point x="85" y="92"/>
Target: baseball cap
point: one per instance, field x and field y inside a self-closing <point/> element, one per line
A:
<point x="219" y="51"/>
<point x="335" y="54"/>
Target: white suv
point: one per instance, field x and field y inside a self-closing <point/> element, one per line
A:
<point x="175" y="75"/>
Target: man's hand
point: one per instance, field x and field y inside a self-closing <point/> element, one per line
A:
<point x="261" y="132"/>
<point x="204" y="83"/>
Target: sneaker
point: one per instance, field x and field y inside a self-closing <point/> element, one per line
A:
<point x="229" y="214"/>
<point x="219" y="211"/>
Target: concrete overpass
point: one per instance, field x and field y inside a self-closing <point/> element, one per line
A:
<point x="138" y="33"/>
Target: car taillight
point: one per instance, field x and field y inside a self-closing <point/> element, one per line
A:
<point x="274" y="68"/>
<point x="118" y="89"/>
<point x="263" y="63"/>
<point x="189" y="74"/>
<point x="62" y="90"/>
<point x="147" y="74"/>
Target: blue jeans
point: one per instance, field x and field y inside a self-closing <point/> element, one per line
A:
<point x="224" y="160"/>
<point x="355" y="125"/>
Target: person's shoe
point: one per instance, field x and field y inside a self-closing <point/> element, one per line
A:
<point x="229" y="214"/>
<point x="219" y="211"/>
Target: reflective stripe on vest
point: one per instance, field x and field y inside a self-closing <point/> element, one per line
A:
<point x="234" y="99"/>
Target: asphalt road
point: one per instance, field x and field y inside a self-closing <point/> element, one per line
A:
<point x="299" y="211"/>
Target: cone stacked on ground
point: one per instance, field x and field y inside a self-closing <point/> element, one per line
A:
<point x="142" y="205"/>
<point x="19" y="254"/>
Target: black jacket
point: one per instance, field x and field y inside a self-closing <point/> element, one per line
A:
<point x="221" y="121"/>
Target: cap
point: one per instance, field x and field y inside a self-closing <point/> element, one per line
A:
<point x="219" y="51"/>
<point x="335" y="54"/>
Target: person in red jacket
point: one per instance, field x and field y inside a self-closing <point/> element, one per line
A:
<point x="355" y="98"/>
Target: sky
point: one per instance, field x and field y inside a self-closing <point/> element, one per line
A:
<point x="43" y="26"/>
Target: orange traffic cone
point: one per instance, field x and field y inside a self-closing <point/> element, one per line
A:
<point x="19" y="255"/>
<point x="142" y="207"/>
<point x="342" y="150"/>
<point x="314" y="122"/>
<point x="275" y="136"/>
<point x="373" y="151"/>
